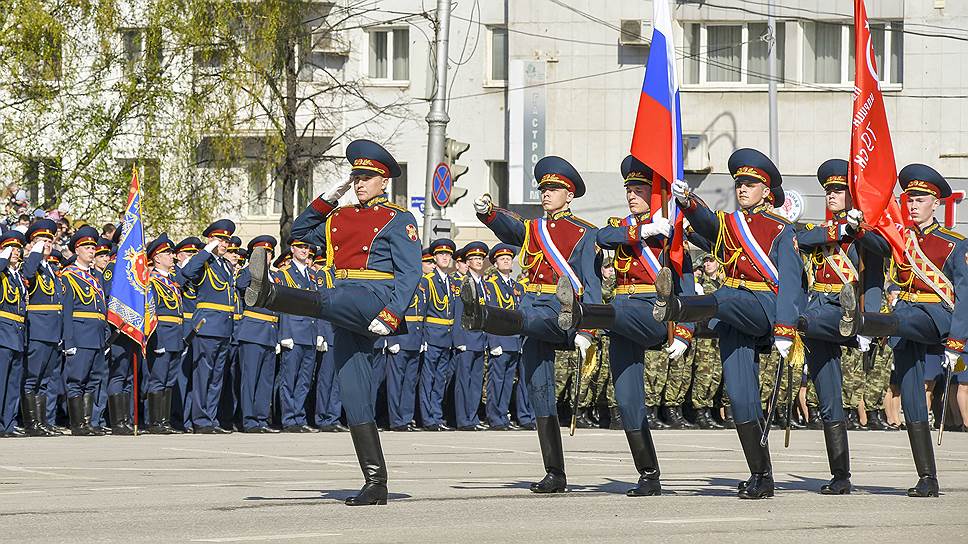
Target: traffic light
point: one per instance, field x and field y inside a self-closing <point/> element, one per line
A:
<point x="453" y="149"/>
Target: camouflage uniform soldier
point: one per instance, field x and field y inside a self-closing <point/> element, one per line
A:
<point x="767" y="379"/>
<point x="656" y="375"/>
<point x="595" y="376"/>
<point x="852" y="363"/>
<point x="677" y="384"/>
<point x="705" y="356"/>
<point x="813" y="407"/>
<point x="879" y="377"/>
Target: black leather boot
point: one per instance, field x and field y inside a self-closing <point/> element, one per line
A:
<point x="156" y="409"/>
<point x="366" y="441"/>
<point x="42" y="416"/>
<point x="853" y="421"/>
<point x="575" y="314"/>
<point x="728" y="420"/>
<point x="479" y="317"/>
<point x="705" y="420"/>
<point x="646" y="463"/>
<point x="814" y="422"/>
<point x="655" y="422"/>
<point x="875" y="421"/>
<point x="856" y="321"/>
<point x="89" y="413"/>
<point x="919" y="433"/>
<point x="28" y="412"/>
<point x="264" y="293"/>
<point x="673" y="415"/>
<point x="838" y="456"/>
<point x="615" y="419"/>
<point x="549" y="438"/>
<point x="80" y="422"/>
<point x="166" y="412"/>
<point x="760" y="484"/>
<point x="669" y="307"/>
<point x="118" y="410"/>
<point x="585" y="419"/>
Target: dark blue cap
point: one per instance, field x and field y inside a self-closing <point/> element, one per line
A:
<point x="833" y="174"/>
<point x="475" y="249"/>
<point x="553" y="171"/>
<point x="749" y="165"/>
<point x="13" y="238"/>
<point x="921" y="179"/>
<point x="104" y="246"/>
<point x="42" y="227"/>
<point x="443" y="245"/>
<point x="282" y="259"/>
<point x="160" y="244"/>
<point x="370" y="158"/>
<point x="635" y="172"/>
<point x="85" y="236"/>
<point x="223" y="228"/>
<point x="192" y="243"/>
<point x="56" y="257"/>
<point x="265" y="240"/>
<point x="427" y="255"/>
<point x="235" y="244"/>
<point x="502" y="249"/>
<point x="293" y="241"/>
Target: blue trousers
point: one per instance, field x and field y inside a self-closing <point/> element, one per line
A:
<point x="11" y="370"/>
<point x="469" y="387"/>
<point x="328" y="405"/>
<point x="823" y="342"/>
<point x="742" y="327"/>
<point x="295" y="376"/>
<point x="42" y="358"/>
<point x="162" y="370"/>
<point x="542" y="337"/>
<point x="181" y="399"/>
<point x="54" y="387"/>
<point x="258" y="365"/>
<point x="522" y="404"/>
<point x="500" y="384"/>
<point x="353" y="354"/>
<point x="379" y="374"/>
<point x="402" y="368"/>
<point x="83" y="372"/>
<point x="634" y="331"/>
<point x="916" y="332"/>
<point x="210" y="355"/>
<point x="120" y="366"/>
<point x="228" y="407"/>
<point x="435" y="374"/>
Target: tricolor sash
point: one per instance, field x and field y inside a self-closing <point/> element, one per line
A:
<point x="760" y="258"/>
<point x="557" y="261"/>
<point x="643" y="252"/>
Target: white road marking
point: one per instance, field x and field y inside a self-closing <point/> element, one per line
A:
<point x="266" y="456"/>
<point x="264" y="538"/>
<point x="12" y="468"/>
<point x="700" y="520"/>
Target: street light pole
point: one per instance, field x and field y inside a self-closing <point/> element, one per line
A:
<point x="437" y="119"/>
<point x="771" y="43"/>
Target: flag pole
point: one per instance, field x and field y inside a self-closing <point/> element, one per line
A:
<point x="134" y="362"/>
<point x="670" y="326"/>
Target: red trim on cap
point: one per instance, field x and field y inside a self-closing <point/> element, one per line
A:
<point x="475" y="253"/>
<point x="921" y="186"/>
<point x="502" y="252"/>
<point x="163" y="247"/>
<point x="443" y="249"/>
<point x="85" y="241"/>
<point x="12" y="242"/>
<point x="219" y="233"/>
<point x="371" y="165"/>
<point x="553" y="178"/>
<point x="267" y="245"/>
<point x="752" y="172"/>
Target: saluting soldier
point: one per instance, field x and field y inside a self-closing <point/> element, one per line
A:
<point x="931" y="309"/>
<point x="559" y="245"/>
<point x="166" y="344"/>
<point x="84" y="332"/>
<point x="374" y="251"/>
<point x="182" y="401"/>
<point x="759" y="302"/>
<point x="13" y="312"/>
<point x="504" y="353"/>
<point x="442" y="289"/>
<point x="638" y="241"/>
<point x="229" y="411"/>
<point x="403" y="357"/>
<point x="470" y="346"/>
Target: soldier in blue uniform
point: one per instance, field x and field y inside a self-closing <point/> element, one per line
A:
<point x="471" y="347"/>
<point x="931" y="309"/>
<point x="258" y="334"/>
<point x="437" y="368"/>
<point x="374" y="253"/>
<point x="404" y="358"/>
<point x="13" y="312"/>
<point x="834" y="253"/>
<point x="328" y="405"/>
<point x="181" y="394"/>
<point x="84" y="332"/>
<point x="44" y="325"/>
<point x="504" y="352"/>
<point x="229" y="411"/>
<point x="555" y="246"/>
<point x="213" y="281"/>
<point x="638" y="241"/>
<point x="167" y="343"/>
<point x="759" y="303"/>
<point x="299" y="338"/>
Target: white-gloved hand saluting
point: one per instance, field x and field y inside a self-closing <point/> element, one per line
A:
<point x="482" y="204"/>
<point x="337" y="190"/>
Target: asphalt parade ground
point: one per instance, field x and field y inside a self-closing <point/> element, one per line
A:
<point x="464" y="487"/>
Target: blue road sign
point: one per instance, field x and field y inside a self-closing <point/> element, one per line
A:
<point x="443" y="184"/>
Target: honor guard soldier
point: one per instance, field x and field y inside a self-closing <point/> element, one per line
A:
<point x="299" y="338"/>
<point x="638" y="241"/>
<point x="470" y="346"/>
<point x="84" y="332"/>
<point x="13" y="312"/>
<point x="374" y="252"/>
<point x="167" y="343"/>
<point x="759" y="303"/>
<point x="834" y="250"/>
<point x="44" y="325"/>
<point x="931" y="309"/>
<point x="504" y="353"/>
<point x="102" y="254"/>
<point x="182" y="402"/>
<point x="229" y="411"/>
<point x="213" y="281"/>
<point x="438" y="367"/>
<point x="559" y="245"/>
<point x="404" y="357"/>
<point x="258" y="344"/>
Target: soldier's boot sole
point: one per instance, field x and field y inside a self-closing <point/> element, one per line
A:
<point x="565" y="293"/>
<point x="850" y="318"/>
<point x="663" y="289"/>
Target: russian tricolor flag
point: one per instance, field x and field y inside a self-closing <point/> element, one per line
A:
<point x="657" y="139"/>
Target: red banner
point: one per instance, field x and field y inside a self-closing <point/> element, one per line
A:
<point x="873" y="174"/>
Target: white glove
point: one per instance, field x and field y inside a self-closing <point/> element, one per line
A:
<point x="325" y="346"/>
<point x="336" y="190"/>
<point x="680" y="190"/>
<point x="423" y="347"/>
<point x="5" y="254"/>
<point x="699" y="289"/>
<point x="783" y="345"/>
<point x="394" y="348"/>
<point x="677" y="349"/>
<point x="160" y="351"/>
<point x="950" y="359"/>
<point x="659" y="226"/>
<point x="377" y="327"/>
<point x="497" y="351"/>
<point x="863" y="343"/>
<point x="483" y="205"/>
<point x="582" y="342"/>
<point x="38" y="247"/>
<point x="210" y="247"/>
<point x="461" y="348"/>
<point x="278" y="349"/>
<point x="855" y="218"/>
<point x="320" y="344"/>
<point x="287" y="343"/>
<point x="70" y="351"/>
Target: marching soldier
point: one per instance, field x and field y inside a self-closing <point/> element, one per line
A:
<point x="375" y="252"/>
<point x="470" y="346"/>
<point x="437" y="368"/>
<point x="759" y="302"/>
<point x="84" y="332"/>
<point x="404" y="357"/>
<point x="258" y="345"/>
<point x="299" y="339"/>
<point x="930" y="311"/>
<point x="166" y="344"/>
<point x="182" y="401"/>
<point x="13" y="312"/>
<point x="638" y="241"/>
<point x="504" y="351"/>
<point x="708" y="370"/>
<point x="213" y="282"/>
<point x="557" y="246"/>
<point x="44" y="326"/>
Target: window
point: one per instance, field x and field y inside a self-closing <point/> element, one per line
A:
<point x="258" y="201"/>
<point x="389" y="57"/>
<point x="141" y="49"/>
<point x="498" y="173"/>
<point x="828" y="44"/>
<point x="42" y="178"/>
<point x="398" y="188"/>
<point x="497" y="63"/>
<point x="731" y="54"/>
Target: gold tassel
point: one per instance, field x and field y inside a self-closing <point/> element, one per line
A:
<point x="797" y="357"/>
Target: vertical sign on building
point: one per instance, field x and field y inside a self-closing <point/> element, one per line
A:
<point x="526" y="105"/>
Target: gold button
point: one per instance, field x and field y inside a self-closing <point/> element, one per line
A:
<point x="376" y="207"/>
<point x="540" y="275"/>
<point x="365" y="248"/>
<point x="743" y="257"/>
<point x="581" y="230"/>
<point x="334" y="229"/>
<point x="392" y="214"/>
<point x="376" y="229"/>
<point x="335" y="248"/>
